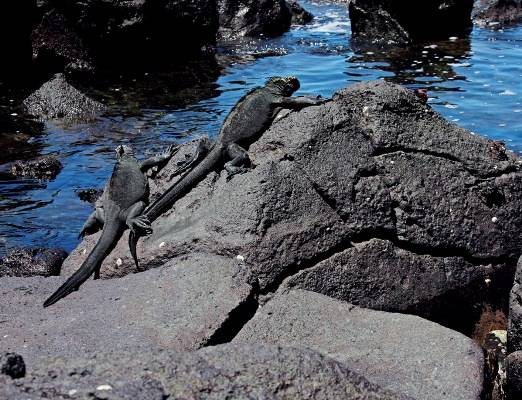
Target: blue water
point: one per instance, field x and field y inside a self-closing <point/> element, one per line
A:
<point x="476" y="82"/>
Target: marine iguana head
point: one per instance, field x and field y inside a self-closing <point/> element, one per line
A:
<point x="284" y="85"/>
<point x="123" y="151"/>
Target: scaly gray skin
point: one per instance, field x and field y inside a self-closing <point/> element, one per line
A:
<point x="249" y="118"/>
<point x="122" y="201"/>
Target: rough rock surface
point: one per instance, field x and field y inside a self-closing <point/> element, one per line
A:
<point x="12" y="365"/>
<point x="514" y="375"/>
<point x="44" y="167"/>
<point x="240" y="18"/>
<point x="57" y="99"/>
<point x="380" y="275"/>
<point x="497" y="13"/>
<point x="515" y="312"/>
<point x="399" y="352"/>
<point x="90" y="195"/>
<point x="195" y="303"/>
<point x="375" y="162"/>
<point x="399" y="21"/>
<point x="32" y="261"/>
<point x="227" y="371"/>
<point x="299" y="15"/>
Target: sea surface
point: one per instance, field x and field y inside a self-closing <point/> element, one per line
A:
<point x="475" y="82"/>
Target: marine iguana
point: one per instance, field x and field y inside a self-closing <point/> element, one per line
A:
<point x="247" y="120"/>
<point x="122" y="201"/>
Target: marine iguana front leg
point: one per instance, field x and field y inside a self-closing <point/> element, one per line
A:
<point x="159" y="159"/>
<point x="300" y="102"/>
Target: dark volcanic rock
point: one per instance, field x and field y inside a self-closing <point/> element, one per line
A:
<point x="227" y="371"/>
<point x="399" y="21"/>
<point x="379" y="275"/>
<point x="127" y="35"/>
<point x="514" y="375"/>
<point x="32" y="261"/>
<point x="57" y="99"/>
<point x="495" y="365"/>
<point x="89" y="195"/>
<point x="497" y="13"/>
<point x="44" y="167"/>
<point x="57" y="46"/>
<point x="515" y="312"/>
<point x="195" y="303"/>
<point x="376" y="162"/>
<point x="239" y="18"/>
<point x="299" y="15"/>
<point x="398" y="352"/>
<point x="12" y="365"/>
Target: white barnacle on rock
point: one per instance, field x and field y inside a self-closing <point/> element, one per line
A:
<point x="104" y="387"/>
<point x="494" y="219"/>
<point x="162" y="244"/>
<point x="119" y="262"/>
<point x="240" y="257"/>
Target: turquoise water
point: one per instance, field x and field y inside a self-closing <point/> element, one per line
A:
<point x="476" y="82"/>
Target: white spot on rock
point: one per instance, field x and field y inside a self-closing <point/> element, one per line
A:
<point x="240" y="257"/>
<point x="494" y="219"/>
<point x="487" y="280"/>
<point x="84" y="251"/>
<point x="72" y="392"/>
<point x="104" y="387"/>
<point x="162" y="244"/>
<point x="119" y="262"/>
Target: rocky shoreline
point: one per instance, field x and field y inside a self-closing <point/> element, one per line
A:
<point x="372" y="252"/>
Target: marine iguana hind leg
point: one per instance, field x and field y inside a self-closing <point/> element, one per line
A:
<point x="200" y="152"/>
<point x="135" y="221"/>
<point x="240" y="160"/>
<point x="93" y="224"/>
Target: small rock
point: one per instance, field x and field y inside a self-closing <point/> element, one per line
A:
<point x="45" y="167"/>
<point x="32" y="261"/>
<point x="89" y="195"/>
<point x="12" y="364"/>
<point x="299" y="15"/>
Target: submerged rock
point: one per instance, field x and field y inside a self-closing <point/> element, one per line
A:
<point x="299" y="15"/>
<point x="44" y="167"/>
<point x="89" y="195"/>
<point x="198" y="302"/>
<point x="402" y="353"/>
<point x="57" y="99"/>
<point x="32" y="261"/>
<point x="399" y="22"/>
<point x="12" y="365"/>
<point x="497" y="13"/>
<point x="227" y="371"/>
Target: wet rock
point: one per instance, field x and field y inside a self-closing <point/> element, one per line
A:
<point x="57" y="99"/>
<point x="32" y="261"/>
<point x="89" y="195"/>
<point x="366" y="165"/>
<point x="495" y="365"/>
<point x="402" y="353"/>
<point x="226" y="371"/>
<point x="12" y="365"/>
<point x="44" y="167"/>
<point x="399" y="22"/>
<point x="125" y="36"/>
<point x="514" y="375"/>
<point x="240" y="18"/>
<point x="299" y="15"/>
<point x="380" y="275"/>
<point x="58" y="47"/>
<point x="198" y="302"/>
<point x="497" y="13"/>
<point x="515" y="312"/>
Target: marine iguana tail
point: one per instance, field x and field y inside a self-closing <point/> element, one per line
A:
<point x="249" y="118"/>
<point x="122" y="202"/>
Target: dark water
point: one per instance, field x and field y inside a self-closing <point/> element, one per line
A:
<point x="476" y="82"/>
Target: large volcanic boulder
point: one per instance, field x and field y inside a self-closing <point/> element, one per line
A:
<point x="497" y="13"/>
<point x="227" y="371"/>
<point x="443" y="207"/>
<point x="402" y="353"/>
<point x="400" y="21"/>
